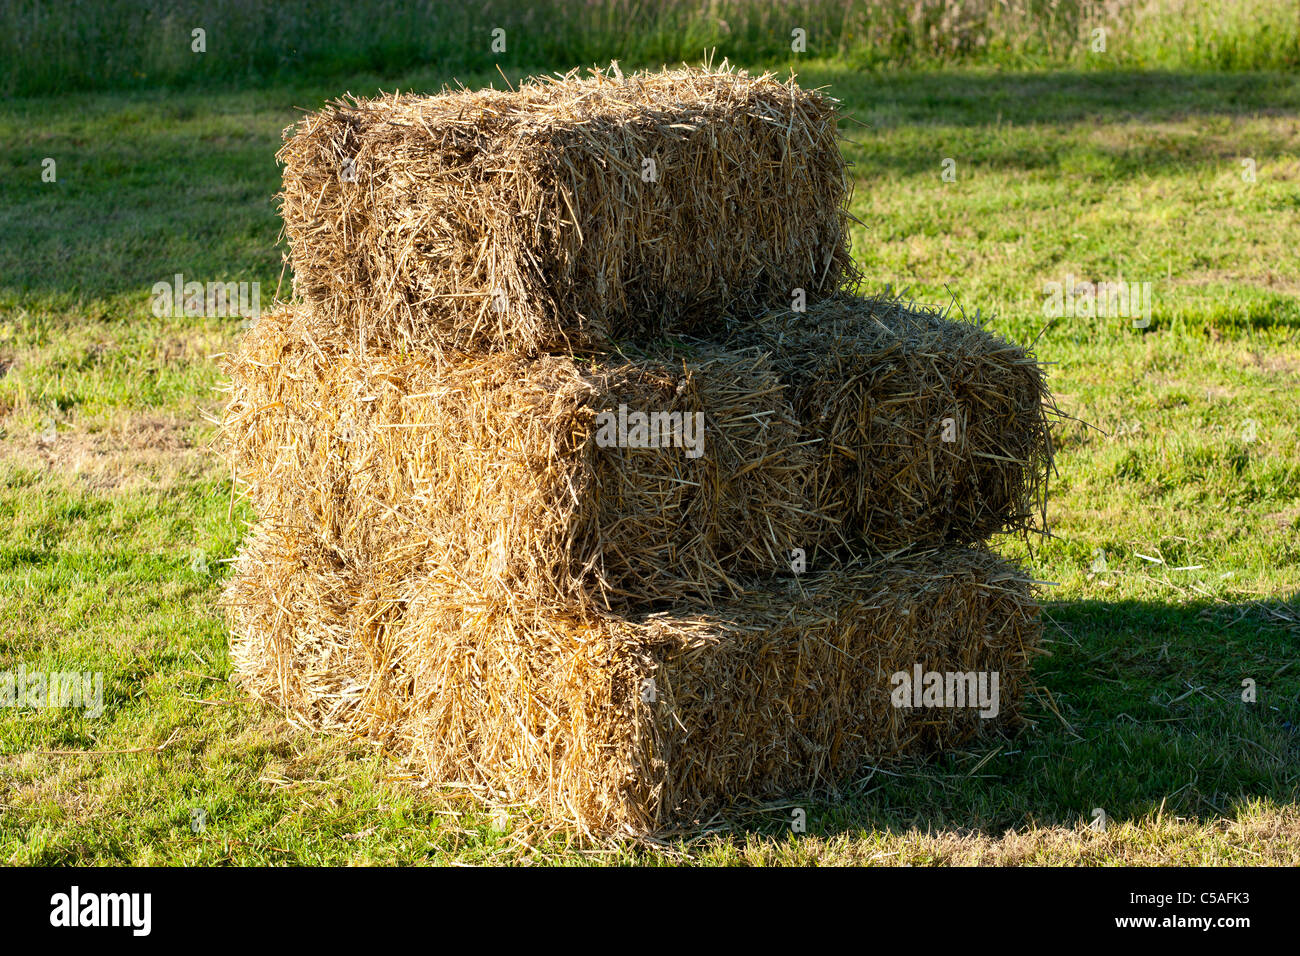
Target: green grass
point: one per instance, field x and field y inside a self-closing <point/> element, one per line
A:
<point x="119" y="44"/>
<point x="113" y="533"/>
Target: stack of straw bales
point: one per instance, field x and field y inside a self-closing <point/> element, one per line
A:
<point x="559" y="498"/>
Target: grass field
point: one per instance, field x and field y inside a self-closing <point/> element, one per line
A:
<point x="140" y="44"/>
<point x="1175" y="511"/>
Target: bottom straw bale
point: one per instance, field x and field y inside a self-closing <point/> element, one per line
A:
<point x="642" y="725"/>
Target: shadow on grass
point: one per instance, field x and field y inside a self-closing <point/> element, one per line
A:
<point x="1058" y="123"/>
<point x="988" y="98"/>
<point x="1140" y="710"/>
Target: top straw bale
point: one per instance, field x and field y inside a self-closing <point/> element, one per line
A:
<point x="568" y="213"/>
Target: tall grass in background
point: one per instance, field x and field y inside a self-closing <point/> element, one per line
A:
<point x="113" y="44"/>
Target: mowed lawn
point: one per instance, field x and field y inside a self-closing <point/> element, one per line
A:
<point x="1175" y="509"/>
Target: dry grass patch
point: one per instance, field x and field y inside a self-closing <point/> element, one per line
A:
<point x="132" y="451"/>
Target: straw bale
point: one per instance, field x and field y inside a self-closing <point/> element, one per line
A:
<point x="642" y="723"/>
<point x="308" y="631"/>
<point x="530" y="220"/>
<point x="493" y="465"/>
<point x="926" y="426"/>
